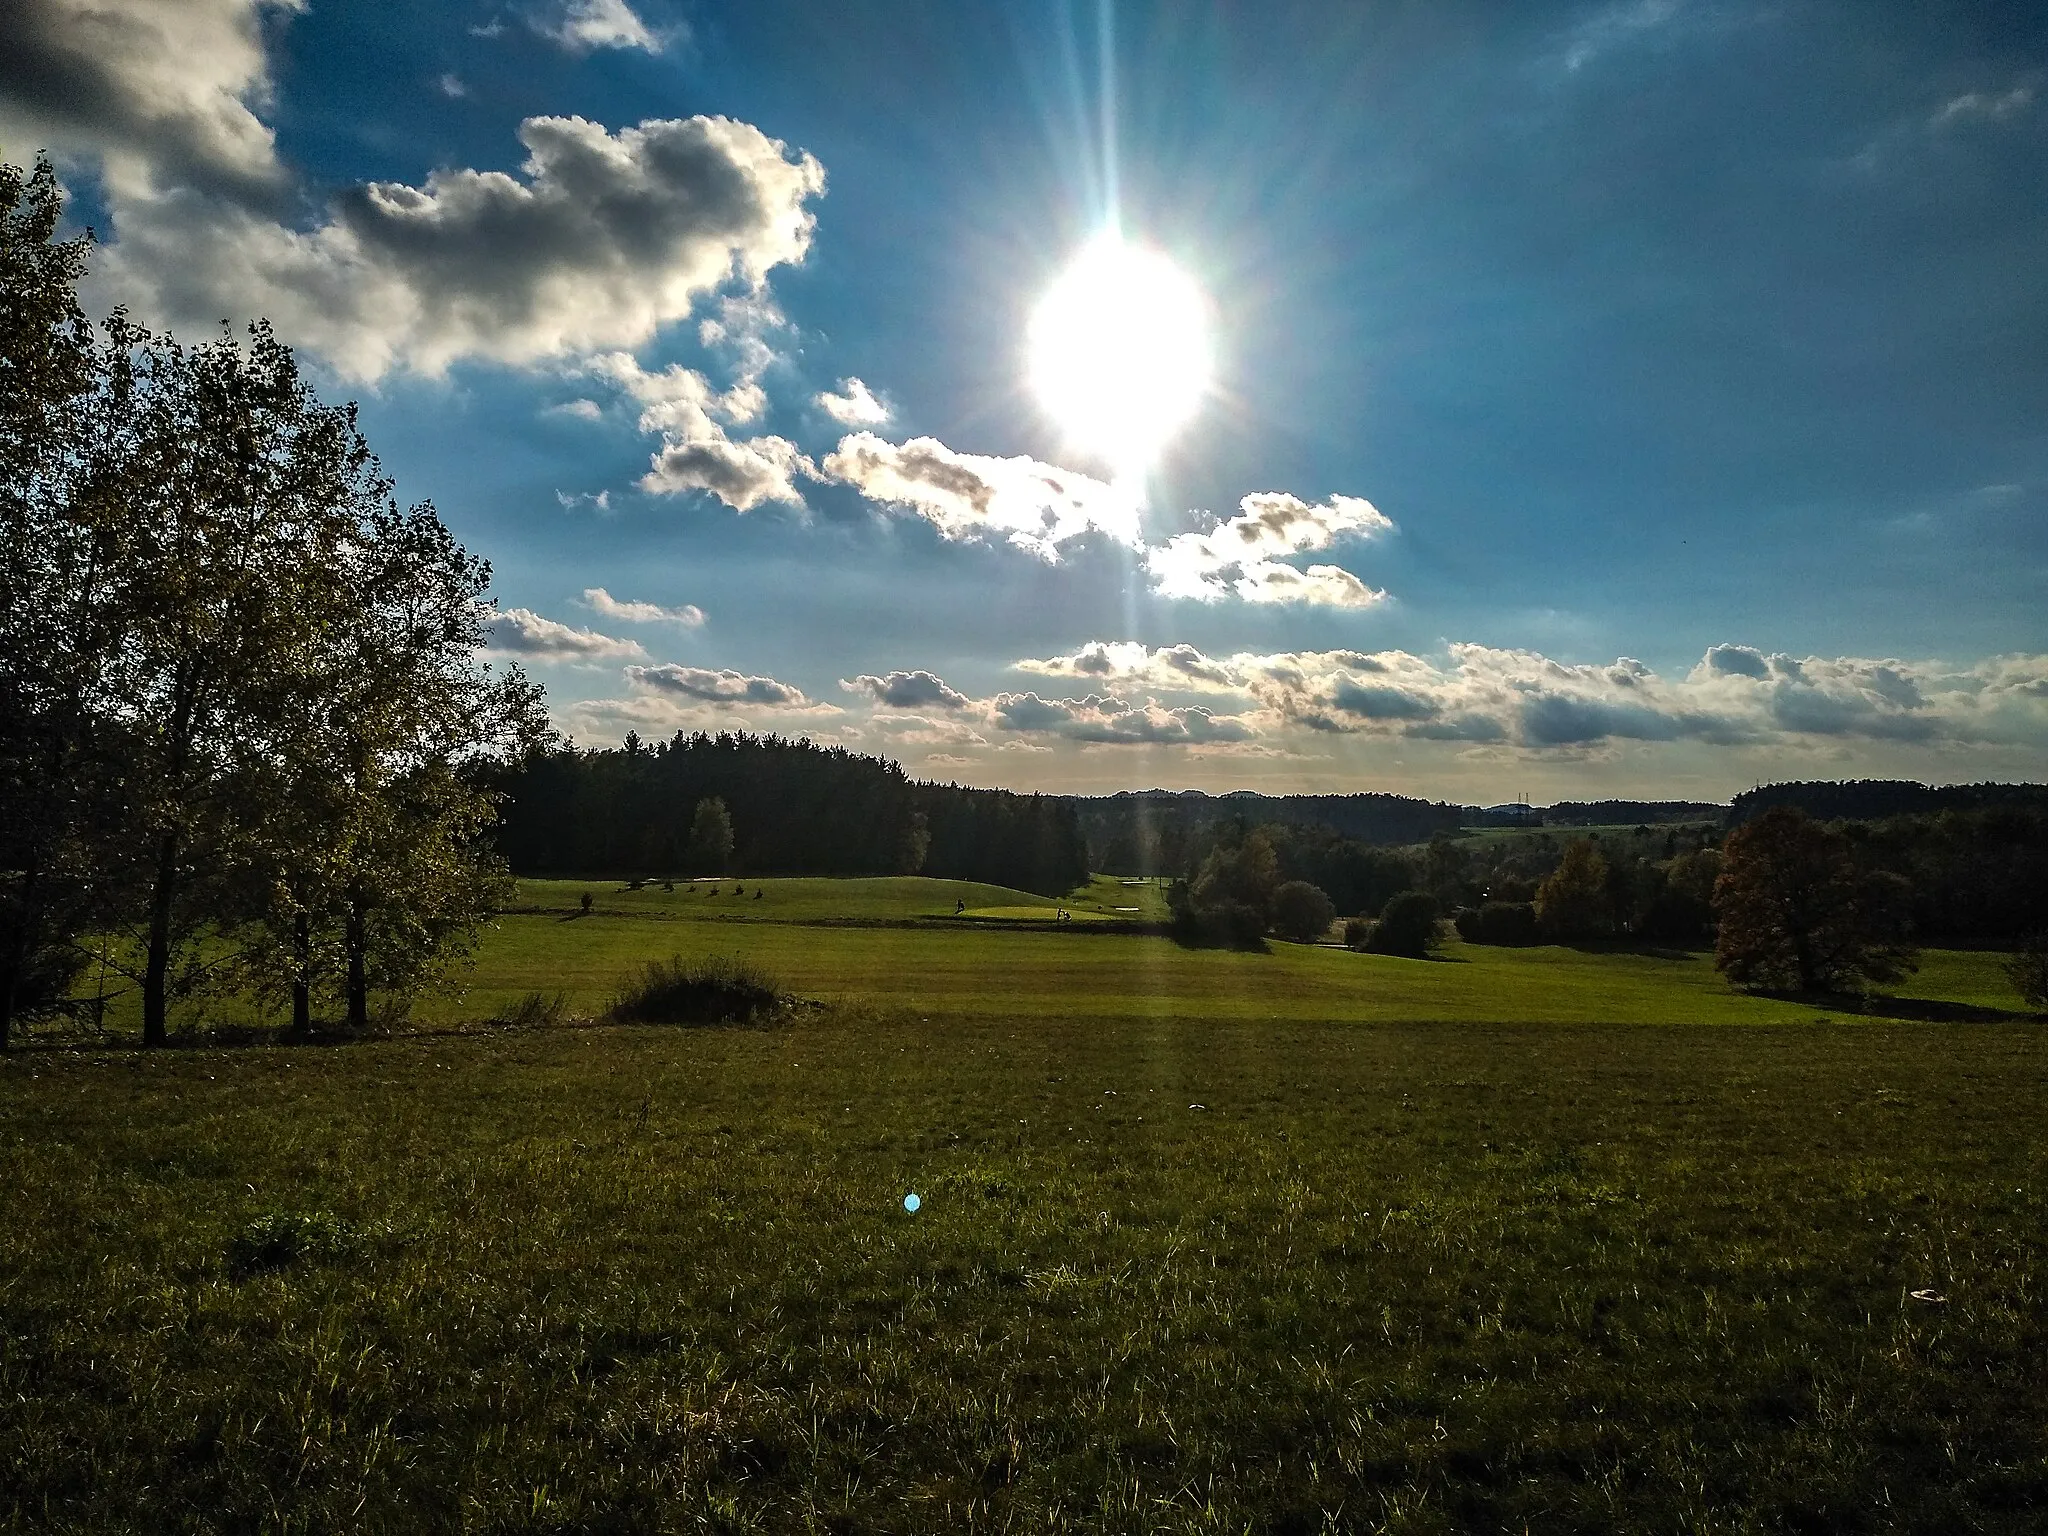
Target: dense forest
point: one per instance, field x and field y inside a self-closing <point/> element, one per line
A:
<point x="1874" y="799"/>
<point x="795" y="808"/>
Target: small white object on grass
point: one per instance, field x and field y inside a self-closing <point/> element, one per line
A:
<point x="911" y="1203"/>
<point x="1928" y="1295"/>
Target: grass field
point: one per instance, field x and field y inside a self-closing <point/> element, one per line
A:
<point x="1301" y="1241"/>
<point x="1216" y="1275"/>
<point x="905" y="943"/>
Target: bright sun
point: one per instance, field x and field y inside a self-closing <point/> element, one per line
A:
<point x="1119" y="352"/>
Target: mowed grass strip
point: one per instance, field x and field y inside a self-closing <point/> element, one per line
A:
<point x="886" y="898"/>
<point x="1417" y="1279"/>
<point x="1083" y="972"/>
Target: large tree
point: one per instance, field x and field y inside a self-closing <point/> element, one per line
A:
<point x="55" y="611"/>
<point x="1796" y="914"/>
<point x="241" y="688"/>
<point x="1573" y="903"/>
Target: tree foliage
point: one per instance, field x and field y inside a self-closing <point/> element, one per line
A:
<point x="1796" y="914"/>
<point x="1407" y="926"/>
<point x="1302" y="912"/>
<point x="710" y="837"/>
<point x="796" y="809"/>
<point x="1574" y="903"/>
<point x="2028" y="971"/>
<point x="242" y="694"/>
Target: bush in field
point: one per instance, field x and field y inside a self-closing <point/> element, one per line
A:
<point x="1217" y="923"/>
<point x="2029" y="971"/>
<point x="1357" y="932"/>
<point x="1499" y="922"/>
<point x="1407" y="926"/>
<point x="717" y="990"/>
<point x="1302" y="912"/>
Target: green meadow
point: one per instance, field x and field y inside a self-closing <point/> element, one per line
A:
<point x="899" y="943"/>
<point x="1296" y="1242"/>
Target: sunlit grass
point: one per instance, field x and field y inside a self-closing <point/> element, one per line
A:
<point x="1389" y="1277"/>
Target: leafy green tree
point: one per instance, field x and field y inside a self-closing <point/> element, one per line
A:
<point x="385" y="869"/>
<point x="2028" y="970"/>
<point x="1302" y="912"/>
<point x="711" y="836"/>
<point x="1795" y="914"/>
<point x="915" y="845"/>
<point x="240" y="696"/>
<point x="1572" y="904"/>
<point x="54" y="629"/>
<point x="1407" y="926"/>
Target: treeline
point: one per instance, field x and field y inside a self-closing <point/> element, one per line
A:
<point x="239" y="695"/>
<point x="1160" y="832"/>
<point x="1877" y="799"/>
<point x="796" y="808"/>
<point x="1623" y="813"/>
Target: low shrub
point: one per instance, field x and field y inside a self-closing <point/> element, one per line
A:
<point x="716" y="990"/>
<point x="1219" y="925"/>
<point x="537" y="1010"/>
<point x="1357" y="932"/>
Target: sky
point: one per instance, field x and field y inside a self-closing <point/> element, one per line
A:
<point x="1642" y="399"/>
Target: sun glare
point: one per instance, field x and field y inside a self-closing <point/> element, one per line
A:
<point x="1119" y="352"/>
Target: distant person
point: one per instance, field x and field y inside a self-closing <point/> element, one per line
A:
<point x="959" y="907"/>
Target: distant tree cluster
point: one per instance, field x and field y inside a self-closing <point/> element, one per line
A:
<point x="1156" y="832"/>
<point x="238" y="695"/>
<point x="788" y="807"/>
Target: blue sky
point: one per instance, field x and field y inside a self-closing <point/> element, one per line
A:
<point x="1659" y="388"/>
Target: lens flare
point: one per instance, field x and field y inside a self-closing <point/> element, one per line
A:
<point x="1119" y="352"/>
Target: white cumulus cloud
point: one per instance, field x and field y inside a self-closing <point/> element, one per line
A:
<point x="854" y="405"/>
<point x="582" y="25"/>
<point x="599" y="601"/>
<point x="697" y="454"/>
<point x="1037" y="507"/>
<point x="1242" y="557"/>
<point x="598" y="240"/>
<point x="522" y="632"/>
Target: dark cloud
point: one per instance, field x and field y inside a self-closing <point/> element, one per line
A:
<point x="166" y="88"/>
<point x="716" y="687"/>
<point x="908" y="690"/>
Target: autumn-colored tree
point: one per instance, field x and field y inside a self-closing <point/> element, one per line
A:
<point x="1795" y="913"/>
<point x="1572" y="904"/>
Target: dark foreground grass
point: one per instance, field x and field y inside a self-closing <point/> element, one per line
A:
<point x="1417" y="1279"/>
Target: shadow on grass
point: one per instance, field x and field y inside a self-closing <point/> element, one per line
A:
<point x="1923" y="1010"/>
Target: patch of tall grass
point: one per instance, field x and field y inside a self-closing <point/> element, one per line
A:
<point x="713" y="989"/>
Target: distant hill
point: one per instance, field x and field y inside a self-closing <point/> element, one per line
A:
<point x="1872" y="799"/>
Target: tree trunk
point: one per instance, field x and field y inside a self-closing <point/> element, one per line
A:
<point x="357" y="938"/>
<point x="10" y="979"/>
<point x="302" y="974"/>
<point x="156" y="970"/>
